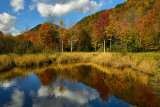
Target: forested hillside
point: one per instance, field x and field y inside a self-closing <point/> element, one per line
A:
<point x="133" y="26"/>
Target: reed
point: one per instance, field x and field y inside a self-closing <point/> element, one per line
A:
<point x="32" y="60"/>
<point x="145" y="62"/>
<point x="6" y="62"/>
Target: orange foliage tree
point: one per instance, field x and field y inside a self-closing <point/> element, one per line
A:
<point x="48" y="35"/>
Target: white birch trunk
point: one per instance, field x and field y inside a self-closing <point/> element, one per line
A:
<point x="110" y="45"/>
<point x="71" y="46"/>
<point x="104" y="46"/>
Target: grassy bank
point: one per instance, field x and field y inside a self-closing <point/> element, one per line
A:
<point x="145" y="62"/>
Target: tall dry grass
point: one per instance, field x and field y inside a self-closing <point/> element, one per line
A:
<point x="76" y="57"/>
<point x="6" y="62"/>
<point x="145" y="62"/>
<point x="31" y="60"/>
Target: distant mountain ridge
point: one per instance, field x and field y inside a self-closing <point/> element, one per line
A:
<point x="139" y="17"/>
<point x="35" y="28"/>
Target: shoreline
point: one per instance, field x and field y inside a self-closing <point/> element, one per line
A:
<point x="148" y="63"/>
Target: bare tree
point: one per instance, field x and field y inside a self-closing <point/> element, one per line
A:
<point x="61" y="29"/>
<point x="73" y="31"/>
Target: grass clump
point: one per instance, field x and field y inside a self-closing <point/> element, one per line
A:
<point x="145" y="62"/>
<point x="77" y="57"/>
<point x="31" y="60"/>
<point x="6" y="62"/>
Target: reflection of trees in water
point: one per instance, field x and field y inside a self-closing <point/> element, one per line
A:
<point x="47" y="78"/>
<point x="61" y="83"/>
<point x="121" y="86"/>
<point x="9" y="77"/>
<point x="101" y="86"/>
<point x="74" y="74"/>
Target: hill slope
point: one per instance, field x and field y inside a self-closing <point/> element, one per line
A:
<point x="35" y="28"/>
<point x="136" y="23"/>
<point x="140" y="18"/>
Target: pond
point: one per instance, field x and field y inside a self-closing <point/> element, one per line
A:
<point x="75" y="86"/>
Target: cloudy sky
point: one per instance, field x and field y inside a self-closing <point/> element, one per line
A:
<point x="15" y="15"/>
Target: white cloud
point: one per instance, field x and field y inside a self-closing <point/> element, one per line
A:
<point x="64" y="7"/>
<point x="17" y="99"/>
<point x="32" y="7"/>
<point x="58" y="103"/>
<point x="7" y="84"/>
<point x="17" y="5"/>
<point x="43" y="91"/>
<point x="16" y="32"/>
<point x="80" y="96"/>
<point x="76" y="97"/>
<point x="7" y="22"/>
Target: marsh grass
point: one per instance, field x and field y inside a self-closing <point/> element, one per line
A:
<point x="145" y="62"/>
<point x="78" y="57"/>
<point x="6" y="62"/>
<point x="30" y="60"/>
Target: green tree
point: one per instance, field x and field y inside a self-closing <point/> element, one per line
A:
<point x="84" y="41"/>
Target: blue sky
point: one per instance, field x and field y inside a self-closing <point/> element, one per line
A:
<point x="15" y="15"/>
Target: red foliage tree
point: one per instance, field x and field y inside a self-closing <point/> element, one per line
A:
<point x="101" y="25"/>
<point x="1" y="33"/>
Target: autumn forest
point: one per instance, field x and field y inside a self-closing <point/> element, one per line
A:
<point x="133" y="26"/>
<point x="108" y="58"/>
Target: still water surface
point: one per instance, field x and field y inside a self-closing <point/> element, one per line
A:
<point x="73" y="86"/>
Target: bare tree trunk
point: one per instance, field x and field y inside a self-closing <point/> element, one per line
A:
<point x="104" y="46"/>
<point x="95" y="48"/>
<point x="110" y="45"/>
<point x="62" y="45"/>
<point x="140" y="40"/>
<point x="71" y="47"/>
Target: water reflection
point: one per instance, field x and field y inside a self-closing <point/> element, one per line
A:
<point x="6" y="84"/>
<point x="77" y="95"/>
<point x="75" y="86"/>
<point x="17" y="99"/>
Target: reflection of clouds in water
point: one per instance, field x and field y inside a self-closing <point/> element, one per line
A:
<point x="7" y="84"/>
<point x="68" y="97"/>
<point x="81" y="96"/>
<point x="43" y="91"/>
<point x="17" y="99"/>
<point x="61" y="102"/>
<point x="32" y="93"/>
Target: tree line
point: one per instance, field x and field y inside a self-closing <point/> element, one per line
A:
<point x="126" y="28"/>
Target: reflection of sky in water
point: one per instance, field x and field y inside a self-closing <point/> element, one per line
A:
<point x="17" y="99"/>
<point x="7" y="84"/>
<point x="80" y="96"/>
<point x="29" y="93"/>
